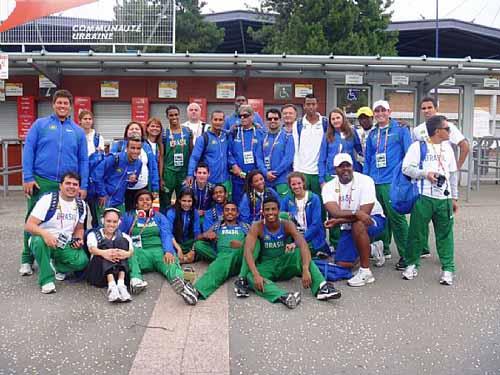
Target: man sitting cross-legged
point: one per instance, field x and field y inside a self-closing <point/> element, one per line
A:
<point x="229" y="236"/>
<point x="278" y="261"/>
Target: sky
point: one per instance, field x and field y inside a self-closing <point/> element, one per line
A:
<point x="484" y="12"/>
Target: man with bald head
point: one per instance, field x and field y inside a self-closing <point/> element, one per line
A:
<point x="194" y="121"/>
<point x="234" y="119"/>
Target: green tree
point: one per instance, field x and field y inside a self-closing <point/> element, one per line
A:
<point x="193" y="33"/>
<point x="316" y="27"/>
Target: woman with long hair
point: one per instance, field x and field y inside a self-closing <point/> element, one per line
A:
<point x="340" y="137"/>
<point x="149" y="178"/>
<point x="255" y="193"/>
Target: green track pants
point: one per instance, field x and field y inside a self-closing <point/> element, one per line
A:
<point x="151" y="259"/>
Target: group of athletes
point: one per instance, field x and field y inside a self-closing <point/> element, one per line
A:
<point x="261" y="199"/>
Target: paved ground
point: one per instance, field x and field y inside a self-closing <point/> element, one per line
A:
<point x="390" y="327"/>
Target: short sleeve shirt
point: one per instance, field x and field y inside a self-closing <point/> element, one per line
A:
<point x="92" y="239"/>
<point x="420" y="133"/>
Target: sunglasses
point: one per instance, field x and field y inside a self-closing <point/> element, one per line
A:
<point x="446" y="128"/>
<point x="273" y="119"/>
<point x="245" y="115"/>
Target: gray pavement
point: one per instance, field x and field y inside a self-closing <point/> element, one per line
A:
<point x="390" y="327"/>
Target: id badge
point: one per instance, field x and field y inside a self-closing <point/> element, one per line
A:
<point x="248" y="157"/>
<point x="178" y="160"/>
<point x="267" y="162"/>
<point x="136" y="241"/>
<point x="381" y="160"/>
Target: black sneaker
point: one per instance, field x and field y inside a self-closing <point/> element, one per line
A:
<point x="291" y="300"/>
<point x="401" y="265"/>
<point x="241" y="288"/>
<point x="189" y="294"/>
<point x="328" y="291"/>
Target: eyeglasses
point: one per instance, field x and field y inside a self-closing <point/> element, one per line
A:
<point x="273" y="119"/>
<point x="446" y="128"/>
<point x="245" y="115"/>
<point x="377" y="110"/>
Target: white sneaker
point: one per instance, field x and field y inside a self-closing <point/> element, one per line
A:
<point x="361" y="278"/>
<point x="446" y="278"/>
<point x="388" y="256"/>
<point x="26" y="270"/>
<point x="377" y="252"/>
<point x="137" y="285"/>
<point x="49" y="288"/>
<point x="124" y="294"/>
<point x="410" y="272"/>
<point x="113" y="293"/>
<point x="60" y="276"/>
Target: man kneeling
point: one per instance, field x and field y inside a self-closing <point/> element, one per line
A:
<point x="350" y="199"/>
<point x="279" y="261"/>
<point x="56" y="226"/>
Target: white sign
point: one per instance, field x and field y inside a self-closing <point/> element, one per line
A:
<point x="4" y="66"/>
<point x="449" y="82"/>
<point x="353" y="79"/>
<point x="110" y="89"/>
<point x="481" y="126"/>
<point x="303" y="89"/>
<point x="226" y="90"/>
<point x="167" y="89"/>
<point x="13" y="89"/>
<point x="400" y="79"/>
<point x="45" y="83"/>
<point x="491" y="82"/>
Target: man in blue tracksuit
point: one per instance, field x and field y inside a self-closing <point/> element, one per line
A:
<point x="245" y="151"/>
<point x="116" y="173"/>
<point x="234" y="119"/>
<point x="278" y="150"/>
<point x="213" y="152"/>
<point x="54" y="145"/>
<point x="386" y="147"/>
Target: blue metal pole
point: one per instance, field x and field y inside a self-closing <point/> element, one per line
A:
<point x="437" y="28"/>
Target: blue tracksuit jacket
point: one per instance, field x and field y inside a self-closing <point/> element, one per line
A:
<point x="235" y="154"/>
<point x="112" y="174"/>
<point x="280" y="156"/>
<point x="328" y="151"/>
<point x="398" y="141"/>
<point x="253" y="212"/>
<point x="234" y="120"/>
<point x="315" y="232"/>
<point x="215" y="156"/>
<point x="53" y="148"/>
<point x="186" y="220"/>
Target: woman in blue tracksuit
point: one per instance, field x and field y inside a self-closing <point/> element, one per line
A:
<point x="149" y="177"/>
<point x="183" y="225"/>
<point x="304" y="208"/>
<point x="340" y="138"/>
<point x="253" y="199"/>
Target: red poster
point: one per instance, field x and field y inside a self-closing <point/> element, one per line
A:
<point x="81" y="103"/>
<point x="26" y="115"/>
<point x="203" y="104"/>
<point x="258" y="106"/>
<point x="140" y="110"/>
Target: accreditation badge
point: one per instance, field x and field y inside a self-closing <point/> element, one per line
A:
<point x="178" y="160"/>
<point x="136" y="241"/>
<point x="381" y="160"/>
<point x="267" y="162"/>
<point x="248" y="157"/>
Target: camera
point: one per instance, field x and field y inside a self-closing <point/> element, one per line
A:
<point x="440" y="180"/>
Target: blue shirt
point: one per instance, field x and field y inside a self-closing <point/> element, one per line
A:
<point x="279" y="151"/>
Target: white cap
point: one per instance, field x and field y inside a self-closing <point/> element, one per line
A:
<point x="381" y="103"/>
<point x="340" y="158"/>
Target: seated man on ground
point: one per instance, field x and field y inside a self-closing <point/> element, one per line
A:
<point x="153" y="248"/>
<point x="56" y="226"/>
<point x="350" y="199"/>
<point x="229" y="236"/>
<point x="276" y="261"/>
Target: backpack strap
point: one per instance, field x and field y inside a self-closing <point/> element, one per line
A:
<point x="205" y="143"/>
<point x="99" y="237"/>
<point x="81" y="207"/>
<point x="96" y="140"/>
<point x="423" y="154"/>
<point x="54" y="201"/>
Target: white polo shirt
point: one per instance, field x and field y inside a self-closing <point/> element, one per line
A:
<point x="420" y="133"/>
<point x="90" y="142"/>
<point x="307" y="150"/>
<point x="351" y="196"/>
<point x="196" y="128"/>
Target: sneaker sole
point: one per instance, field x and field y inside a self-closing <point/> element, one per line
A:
<point x="137" y="289"/>
<point x="240" y="295"/>
<point x="367" y="281"/>
<point x="52" y="291"/>
<point x="178" y="286"/>
<point x="325" y="297"/>
<point x="408" y="277"/>
<point x="189" y="298"/>
<point x="447" y="283"/>
<point x="424" y="256"/>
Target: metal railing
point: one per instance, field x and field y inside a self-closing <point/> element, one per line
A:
<point x="7" y="170"/>
<point x="486" y="160"/>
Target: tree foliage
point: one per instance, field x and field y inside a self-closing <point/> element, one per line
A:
<point x="341" y="27"/>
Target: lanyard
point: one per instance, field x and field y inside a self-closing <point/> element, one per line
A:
<point x="439" y="156"/>
<point x="349" y="197"/>
<point x="135" y="222"/>
<point x="172" y="140"/>
<point x="378" y="139"/>
<point x="203" y="193"/>
<point x="304" y="219"/>
<point x="243" y="139"/>
<point x="256" y="196"/>
<point x="275" y="142"/>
